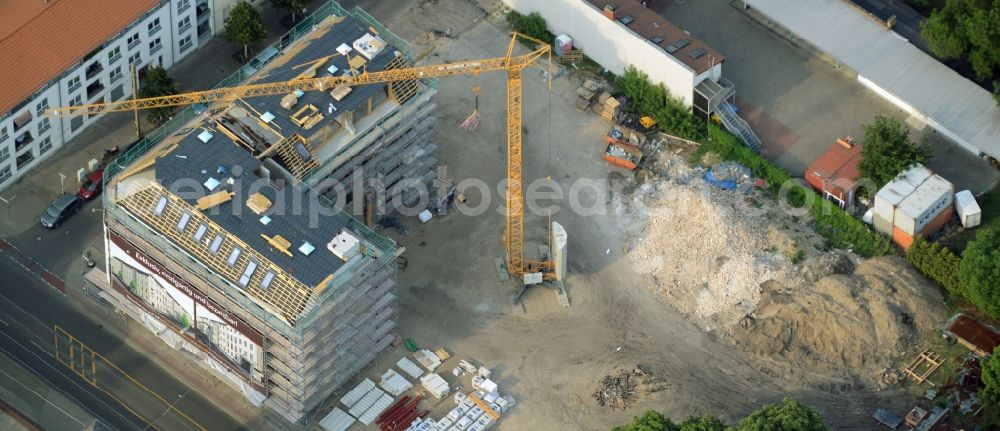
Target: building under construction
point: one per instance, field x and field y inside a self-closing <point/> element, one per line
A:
<point x="223" y="237"/>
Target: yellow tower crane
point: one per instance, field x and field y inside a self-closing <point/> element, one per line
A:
<point x="513" y="65"/>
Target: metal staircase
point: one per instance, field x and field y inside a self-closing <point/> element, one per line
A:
<point x="738" y="126"/>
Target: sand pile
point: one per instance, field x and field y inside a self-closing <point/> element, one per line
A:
<point x="723" y="258"/>
<point x="845" y="325"/>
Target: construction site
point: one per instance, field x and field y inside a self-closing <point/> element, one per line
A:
<point x="426" y="192"/>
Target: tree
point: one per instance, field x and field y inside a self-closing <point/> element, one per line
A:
<point x="294" y="6"/>
<point x="532" y="24"/>
<point x="185" y="321"/>
<point x="991" y="379"/>
<point x="979" y="272"/>
<point x="650" y="421"/>
<point x="996" y="92"/>
<point x="157" y="83"/>
<point x="245" y="26"/>
<point x="938" y="263"/>
<point x="887" y="150"/>
<point x="969" y="30"/>
<point x="703" y="423"/>
<point x="789" y="415"/>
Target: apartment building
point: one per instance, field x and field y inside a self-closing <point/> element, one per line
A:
<point x="272" y="286"/>
<point x="74" y="52"/>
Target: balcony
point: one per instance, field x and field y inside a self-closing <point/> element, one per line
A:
<point x="92" y="70"/>
<point x="94" y="89"/>
<point x="23" y="141"/>
<point x="204" y="31"/>
<point x="202" y="9"/>
<point x="22" y="121"/>
<point x="24" y="159"/>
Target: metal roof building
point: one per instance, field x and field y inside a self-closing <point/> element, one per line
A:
<point x="895" y="69"/>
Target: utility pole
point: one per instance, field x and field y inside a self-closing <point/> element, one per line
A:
<point x="135" y="95"/>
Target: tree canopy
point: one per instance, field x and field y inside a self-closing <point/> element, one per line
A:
<point x="157" y="83"/>
<point x="650" y="421"/>
<point x="888" y="151"/>
<point x="969" y="30"/>
<point x="296" y="7"/>
<point x="979" y="271"/>
<point x="646" y="98"/>
<point x="245" y="26"/>
<point x="789" y="415"/>
<point x="703" y="423"/>
<point x="991" y="379"/>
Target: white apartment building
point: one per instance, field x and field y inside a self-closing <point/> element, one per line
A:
<point x="73" y="52"/>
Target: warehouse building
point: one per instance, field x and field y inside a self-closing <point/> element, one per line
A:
<point x="894" y="69"/>
<point x="220" y="240"/>
<point x="75" y="52"/>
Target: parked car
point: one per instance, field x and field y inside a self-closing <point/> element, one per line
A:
<point x="91" y="187"/>
<point x="60" y="210"/>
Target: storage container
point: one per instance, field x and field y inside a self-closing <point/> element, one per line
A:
<point x="968" y="209"/>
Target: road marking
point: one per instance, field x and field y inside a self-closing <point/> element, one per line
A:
<point x="60" y="372"/>
<point x="43" y="398"/>
<point x="4" y="322"/>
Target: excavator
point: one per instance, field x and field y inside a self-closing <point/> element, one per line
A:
<point x="529" y="271"/>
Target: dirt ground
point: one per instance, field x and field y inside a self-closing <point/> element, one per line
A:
<point x="552" y="359"/>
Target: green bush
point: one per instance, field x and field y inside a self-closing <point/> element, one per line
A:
<point x="937" y="263"/>
<point x="645" y="98"/>
<point x="838" y="227"/>
<point x="532" y="24"/>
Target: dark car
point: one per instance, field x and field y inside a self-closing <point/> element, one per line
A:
<point x="91" y="187"/>
<point x="60" y="210"/>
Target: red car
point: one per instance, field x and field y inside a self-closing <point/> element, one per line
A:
<point x="91" y="187"/>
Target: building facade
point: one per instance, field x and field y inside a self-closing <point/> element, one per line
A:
<point x="86" y="71"/>
<point x="262" y="277"/>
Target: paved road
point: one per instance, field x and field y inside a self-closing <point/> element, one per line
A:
<point x="908" y="21"/>
<point x="29" y="309"/>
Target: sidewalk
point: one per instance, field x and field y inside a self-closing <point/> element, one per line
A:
<point x="59" y="251"/>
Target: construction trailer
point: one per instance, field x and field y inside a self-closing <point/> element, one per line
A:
<point x="917" y="203"/>
<point x="224" y="240"/>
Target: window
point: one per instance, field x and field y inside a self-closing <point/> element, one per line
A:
<point x="182" y="5"/>
<point x="73" y="84"/>
<point x="5" y="174"/>
<point x="77" y="101"/>
<point x="153" y="26"/>
<point x="44" y="125"/>
<point x="155" y="45"/>
<point x="3" y="133"/>
<point x="185" y="218"/>
<point x="268" y="278"/>
<point x="4" y="153"/>
<point x="135" y="58"/>
<point x="184" y="24"/>
<point x="185" y="43"/>
<point x="116" y="74"/>
<point x="248" y="272"/>
<point x="41" y="107"/>
<point x="233" y="255"/>
<point x="133" y="40"/>
<point x="216" y="243"/>
<point x="198" y="234"/>
<point x="45" y="145"/>
<point x="115" y="54"/>
<point x="160" y="206"/>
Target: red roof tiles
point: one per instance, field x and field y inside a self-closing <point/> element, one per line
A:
<point x="40" y="39"/>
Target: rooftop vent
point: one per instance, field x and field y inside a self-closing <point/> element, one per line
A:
<point x="627" y="19"/>
<point x="696" y="53"/>
<point x="344" y="245"/>
<point x="609" y="11"/>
